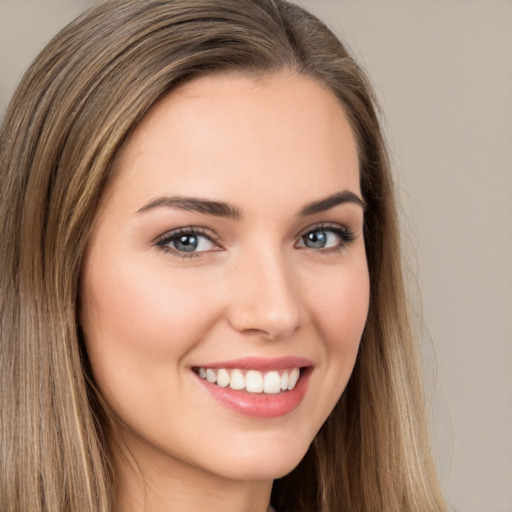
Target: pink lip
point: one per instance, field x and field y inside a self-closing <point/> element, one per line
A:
<point x="262" y="364"/>
<point x="260" y="405"/>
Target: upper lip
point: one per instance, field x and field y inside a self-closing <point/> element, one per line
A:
<point x="260" y="363"/>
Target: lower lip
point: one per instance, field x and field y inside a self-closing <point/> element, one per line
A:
<point x="260" y="405"/>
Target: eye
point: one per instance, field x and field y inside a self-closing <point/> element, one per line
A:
<point x="326" y="238"/>
<point x="187" y="242"/>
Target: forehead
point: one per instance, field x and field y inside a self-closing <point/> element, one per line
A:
<point x="227" y="134"/>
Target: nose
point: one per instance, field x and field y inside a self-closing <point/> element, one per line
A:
<point x="265" y="299"/>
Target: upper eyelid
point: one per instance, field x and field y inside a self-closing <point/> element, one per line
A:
<point x="214" y="238"/>
<point x="322" y="225"/>
<point x="195" y="230"/>
<point x="211" y="234"/>
<point x="162" y="242"/>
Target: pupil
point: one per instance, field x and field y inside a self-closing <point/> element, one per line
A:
<point x="186" y="243"/>
<point x="316" y="239"/>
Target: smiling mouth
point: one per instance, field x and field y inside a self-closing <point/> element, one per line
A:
<point x="252" y="381"/>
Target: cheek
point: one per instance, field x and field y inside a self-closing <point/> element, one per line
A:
<point x="140" y="320"/>
<point x="126" y="302"/>
<point x="140" y="323"/>
<point x="338" y="306"/>
<point x="340" y="316"/>
<point x="341" y="308"/>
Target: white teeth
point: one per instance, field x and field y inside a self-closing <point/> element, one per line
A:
<point x="237" y="380"/>
<point x="253" y="381"/>
<point x="222" y="378"/>
<point x="284" y="381"/>
<point x="211" y="376"/>
<point x="293" y="377"/>
<point x="272" y="383"/>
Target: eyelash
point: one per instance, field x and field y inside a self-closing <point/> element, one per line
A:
<point x="345" y="235"/>
<point x="188" y="231"/>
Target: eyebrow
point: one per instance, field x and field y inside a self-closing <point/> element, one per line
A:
<point x="331" y="201"/>
<point x="193" y="204"/>
<point x="223" y="209"/>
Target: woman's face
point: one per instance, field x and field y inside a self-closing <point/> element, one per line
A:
<point x="228" y="260"/>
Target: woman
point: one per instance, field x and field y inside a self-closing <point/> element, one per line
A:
<point x="202" y="304"/>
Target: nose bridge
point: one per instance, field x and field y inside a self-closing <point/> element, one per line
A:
<point x="265" y="299"/>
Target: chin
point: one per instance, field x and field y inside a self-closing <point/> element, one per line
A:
<point x="263" y="461"/>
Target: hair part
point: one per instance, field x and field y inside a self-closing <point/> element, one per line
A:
<point x="71" y="114"/>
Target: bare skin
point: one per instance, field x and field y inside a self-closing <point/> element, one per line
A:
<point x="232" y="229"/>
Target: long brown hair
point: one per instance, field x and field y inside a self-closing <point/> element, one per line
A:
<point x="70" y="115"/>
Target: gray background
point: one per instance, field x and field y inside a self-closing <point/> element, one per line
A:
<point x="443" y="72"/>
